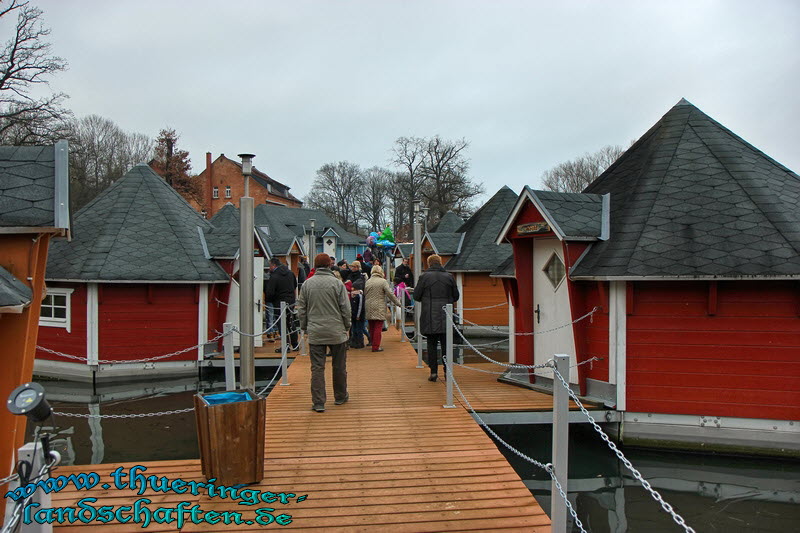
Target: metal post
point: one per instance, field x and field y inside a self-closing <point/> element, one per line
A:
<point x="247" y="362"/>
<point x="558" y="509"/>
<point x="312" y="241"/>
<point x="227" y="350"/>
<point x="34" y="454"/>
<point x="284" y="343"/>
<point x="417" y="273"/>
<point x="448" y="354"/>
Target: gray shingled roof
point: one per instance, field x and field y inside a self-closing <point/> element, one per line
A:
<point x="406" y="249"/>
<point x="446" y="243"/>
<point x="223" y="237"/>
<point x="479" y="253"/>
<point x="295" y="221"/>
<point x="505" y="269"/>
<point x="139" y="229"/>
<point x="271" y="223"/>
<point x="449" y="223"/>
<point x="691" y="199"/>
<point x="577" y="215"/>
<point x="13" y="293"/>
<point x="34" y="185"/>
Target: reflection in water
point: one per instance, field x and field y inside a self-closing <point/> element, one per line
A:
<point x="712" y="492"/>
<point x="112" y="440"/>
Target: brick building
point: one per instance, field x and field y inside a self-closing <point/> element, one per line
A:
<point x="222" y="183"/>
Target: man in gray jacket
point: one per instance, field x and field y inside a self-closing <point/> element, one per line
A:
<point x="324" y="313"/>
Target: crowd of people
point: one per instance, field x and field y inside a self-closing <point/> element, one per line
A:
<point x="339" y="304"/>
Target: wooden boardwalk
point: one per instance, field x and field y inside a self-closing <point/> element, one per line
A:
<point x="391" y="459"/>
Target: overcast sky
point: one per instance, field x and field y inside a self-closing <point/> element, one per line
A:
<point x="529" y="84"/>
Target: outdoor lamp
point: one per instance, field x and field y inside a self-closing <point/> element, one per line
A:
<point x="247" y="163"/>
<point x="29" y="400"/>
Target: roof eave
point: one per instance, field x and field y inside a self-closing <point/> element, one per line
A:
<point x="685" y="278"/>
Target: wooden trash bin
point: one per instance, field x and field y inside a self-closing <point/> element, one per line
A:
<point x="231" y="436"/>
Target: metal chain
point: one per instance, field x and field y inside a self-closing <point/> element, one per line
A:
<point x="135" y="415"/>
<point x="487" y="358"/>
<point x="486" y="345"/>
<point x="9" y="479"/>
<point x="636" y="474"/>
<point x="13" y="520"/>
<point x="143" y="360"/>
<point x="568" y="324"/>
<point x="546" y="467"/>
<point x="268" y="330"/>
<point x="482" y="308"/>
<point x="273" y="377"/>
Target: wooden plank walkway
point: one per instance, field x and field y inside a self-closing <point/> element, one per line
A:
<point x="391" y="459"/>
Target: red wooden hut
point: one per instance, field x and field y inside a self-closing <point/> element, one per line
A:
<point x="136" y="281"/>
<point x="689" y="246"/>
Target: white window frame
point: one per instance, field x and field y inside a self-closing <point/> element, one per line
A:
<point x="227" y="191"/>
<point x="215" y="192"/>
<point x="65" y="322"/>
<point x="563" y="267"/>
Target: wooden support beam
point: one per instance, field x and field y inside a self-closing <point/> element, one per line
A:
<point x="712" y="298"/>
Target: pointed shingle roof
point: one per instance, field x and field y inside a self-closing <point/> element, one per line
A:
<point x="479" y="252"/>
<point x="691" y="199"/>
<point x="449" y="223"/>
<point x="223" y="238"/>
<point x="139" y="229"/>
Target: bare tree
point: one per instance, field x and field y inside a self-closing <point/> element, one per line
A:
<point x="575" y="175"/>
<point x="447" y="186"/>
<point x="373" y="201"/>
<point x="335" y="191"/>
<point x="408" y="155"/>
<point x="26" y="63"/>
<point x="101" y="153"/>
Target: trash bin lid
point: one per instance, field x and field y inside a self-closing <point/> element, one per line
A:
<point x="227" y="397"/>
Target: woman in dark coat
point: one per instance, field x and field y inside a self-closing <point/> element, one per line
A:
<point x="435" y="288"/>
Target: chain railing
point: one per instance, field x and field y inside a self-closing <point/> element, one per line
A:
<point x="84" y="358"/>
<point x="132" y="415"/>
<point x="12" y="521"/>
<point x="547" y="467"/>
<point x="502" y="304"/>
<point x="541" y="332"/>
<point x="636" y="474"/>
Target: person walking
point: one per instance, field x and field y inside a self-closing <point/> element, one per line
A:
<point x="403" y="274"/>
<point x="376" y="291"/>
<point x="324" y="313"/>
<point x="281" y="288"/>
<point x="435" y="288"/>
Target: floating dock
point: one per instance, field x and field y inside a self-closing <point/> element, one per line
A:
<point x="391" y="459"/>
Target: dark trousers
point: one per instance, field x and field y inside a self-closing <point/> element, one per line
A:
<point x="290" y="326"/>
<point x="375" y="330"/>
<point x="357" y="334"/>
<point x="434" y="341"/>
<point x="317" y="354"/>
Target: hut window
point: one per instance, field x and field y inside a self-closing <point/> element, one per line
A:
<point x="215" y="192"/>
<point x="227" y="191"/>
<point x="554" y="270"/>
<point x="55" y="311"/>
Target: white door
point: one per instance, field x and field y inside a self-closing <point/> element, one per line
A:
<point x="232" y="315"/>
<point x="551" y="307"/>
<point x="258" y="299"/>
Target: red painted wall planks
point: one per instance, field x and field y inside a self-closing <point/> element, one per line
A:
<point x="742" y="362"/>
<point x="131" y="328"/>
<point x="57" y="338"/>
